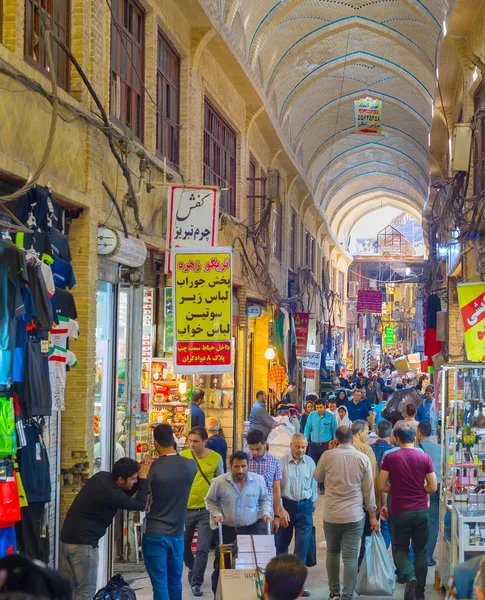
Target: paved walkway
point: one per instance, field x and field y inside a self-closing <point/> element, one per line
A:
<point x="317" y="581"/>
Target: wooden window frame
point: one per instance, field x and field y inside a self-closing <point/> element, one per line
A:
<point x="341" y="284"/>
<point x="124" y="90"/>
<point x="251" y="194"/>
<point x="293" y="239"/>
<point x="216" y="150"/>
<point x="278" y="231"/>
<point x="51" y="8"/>
<point x="168" y="125"/>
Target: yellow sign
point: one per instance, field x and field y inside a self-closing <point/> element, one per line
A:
<point x="202" y="295"/>
<point x="471" y="298"/>
<point x="368" y="116"/>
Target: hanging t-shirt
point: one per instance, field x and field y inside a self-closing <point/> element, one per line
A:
<point x="8" y="438"/>
<point x="38" y="240"/>
<point x="64" y="304"/>
<point x="25" y="323"/>
<point x="59" y="358"/>
<point x="59" y="244"/>
<point x="63" y="273"/>
<point x="65" y="329"/>
<point x="36" y="397"/>
<point x="48" y="278"/>
<point x="43" y="305"/>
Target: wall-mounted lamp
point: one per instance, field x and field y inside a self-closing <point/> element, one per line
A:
<point x="269" y="353"/>
<point x="182" y="387"/>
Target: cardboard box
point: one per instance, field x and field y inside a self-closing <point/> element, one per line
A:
<point x="262" y="543"/>
<point x="238" y="585"/>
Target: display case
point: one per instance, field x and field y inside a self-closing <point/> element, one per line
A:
<point x="462" y="510"/>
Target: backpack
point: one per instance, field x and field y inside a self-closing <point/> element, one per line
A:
<point x="116" y="589"/>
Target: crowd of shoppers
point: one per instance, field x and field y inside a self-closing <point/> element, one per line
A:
<point x="367" y="487"/>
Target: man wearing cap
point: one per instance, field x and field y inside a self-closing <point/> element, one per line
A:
<point x="216" y="442"/>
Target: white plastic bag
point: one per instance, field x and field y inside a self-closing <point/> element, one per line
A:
<point x="376" y="575"/>
<point x="279" y="440"/>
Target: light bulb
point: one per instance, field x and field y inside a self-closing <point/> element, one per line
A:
<point x="269" y="353"/>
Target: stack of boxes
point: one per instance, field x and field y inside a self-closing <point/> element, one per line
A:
<point x="261" y="552"/>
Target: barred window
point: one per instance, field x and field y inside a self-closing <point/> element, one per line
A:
<point x="57" y="14"/>
<point x="293" y="239"/>
<point x="127" y="65"/>
<point x="168" y="101"/>
<point x="278" y="230"/>
<point x="252" y="194"/>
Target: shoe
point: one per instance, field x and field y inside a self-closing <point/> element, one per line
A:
<point x="419" y="597"/>
<point x="431" y="563"/>
<point x="189" y="577"/>
<point x="400" y="580"/>
<point x="305" y="594"/>
<point x="410" y="590"/>
<point x="196" y="591"/>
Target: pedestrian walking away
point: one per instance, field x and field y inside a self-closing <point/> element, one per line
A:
<point x="197" y="415"/>
<point x="90" y="515"/>
<point x="284" y="578"/>
<point x="259" y="417"/>
<point x="402" y="475"/>
<point x="299" y="493"/>
<point x="171" y="477"/>
<point x="216" y="442"/>
<point x="433" y="450"/>
<point x="380" y="447"/>
<point x="349" y="483"/>
<point x="236" y="499"/>
<point x="266" y="465"/>
<point x="209" y="465"/>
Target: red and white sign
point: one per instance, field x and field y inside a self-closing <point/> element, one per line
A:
<point x="369" y="301"/>
<point x="302" y="321"/>
<point x="192" y="218"/>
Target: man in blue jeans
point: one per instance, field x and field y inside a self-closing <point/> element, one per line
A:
<point x="299" y="492"/>
<point x="170" y="479"/>
<point x="349" y="484"/>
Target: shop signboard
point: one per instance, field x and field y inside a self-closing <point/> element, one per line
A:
<point x="168" y="330"/>
<point x="192" y="218"/>
<point x="302" y="321"/>
<point x="254" y="311"/>
<point x="309" y="373"/>
<point x="389" y="336"/>
<point x="369" y="301"/>
<point x="471" y="298"/>
<point x="368" y="116"/>
<point x="312" y="361"/>
<point x="202" y="300"/>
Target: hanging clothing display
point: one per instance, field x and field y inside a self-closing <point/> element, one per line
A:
<point x="37" y="320"/>
<point x="431" y="345"/>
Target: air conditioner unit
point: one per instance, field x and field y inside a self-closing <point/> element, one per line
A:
<point x="353" y="289"/>
<point x="273" y="185"/>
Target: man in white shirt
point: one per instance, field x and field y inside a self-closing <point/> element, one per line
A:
<point x="349" y="494"/>
<point x="299" y="492"/>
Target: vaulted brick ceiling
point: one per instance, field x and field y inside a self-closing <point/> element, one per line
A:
<point x="311" y="59"/>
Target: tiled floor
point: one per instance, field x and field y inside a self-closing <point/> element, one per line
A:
<point x="317" y="581"/>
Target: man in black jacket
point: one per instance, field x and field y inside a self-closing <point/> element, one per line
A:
<point x="90" y="515"/>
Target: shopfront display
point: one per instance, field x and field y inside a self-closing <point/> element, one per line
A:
<point x="38" y="322"/>
<point x="462" y="514"/>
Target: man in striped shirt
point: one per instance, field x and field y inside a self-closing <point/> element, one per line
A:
<point x="263" y="463"/>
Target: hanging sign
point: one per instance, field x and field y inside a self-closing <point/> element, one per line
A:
<point x="192" y="218"/>
<point x="202" y="299"/>
<point x="389" y="336"/>
<point x="312" y="361"/>
<point x="113" y="245"/>
<point x="301" y="329"/>
<point x="369" y="301"/>
<point x="368" y="116"/>
<point x="254" y="311"/>
<point x="309" y="373"/>
<point x="168" y="330"/>
<point x="471" y="298"/>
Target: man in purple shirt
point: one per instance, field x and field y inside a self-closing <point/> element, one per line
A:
<point x="409" y="476"/>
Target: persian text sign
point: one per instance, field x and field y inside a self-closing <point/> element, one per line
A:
<point x="389" y="336"/>
<point x="312" y="361"/>
<point x="368" y="115"/>
<point x="168" y="330"/>
<point x="301" y="329"/>
<point x="202" y="296"/>
<point x="369" y="301"/>
<point x="192" y="217"/>
<point x="471" y="298"/>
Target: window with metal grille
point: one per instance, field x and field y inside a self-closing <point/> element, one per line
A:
<point x="262" y="199"/>
<point x="252" y="194"/>
<point x="127" y="65"/>
<point x="312" y="253"/>
<point x="278" y="230"/>
<point x="479" y="149"/>
<point x="293" y="239"/>
<point x="220" y="156"/>
<point x="307" y="248"/>
<point x="168" y="100"/>
<point x="341" y="279"/>
<point x="57" y="14"/>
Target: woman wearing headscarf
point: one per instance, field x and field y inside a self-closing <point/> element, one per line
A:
<point x="341" y="398"/>
<point x="343" y="417"/>
<point x="309" y="408"/>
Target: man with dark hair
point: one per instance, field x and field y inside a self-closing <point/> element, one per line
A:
<point x="236" y="499"/>
<point x="197" y="415"/>
<point x="290" y="390"/>
<point x="209" y="465"/>
<point x="92" y="511"/>
<point x="320" y="430"/>
<point x="380" y="447"/>
<point x="265" y="464"/>
<point x="216" y="441"/>
<point x="409" y="420"/>
<point x="284" y="578"/>
<point x="259" y="418"/>
<point x="356" y="409"/>
<point x="402" y="475"/>
<point x="433" y="450"/>
<point x="171" y="477"/>
<point x="349" y="484"/>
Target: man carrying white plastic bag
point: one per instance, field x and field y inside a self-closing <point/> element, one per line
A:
<point x="376" y="575"/>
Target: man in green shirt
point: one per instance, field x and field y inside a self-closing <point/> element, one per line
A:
<point x="209" y="465"/>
